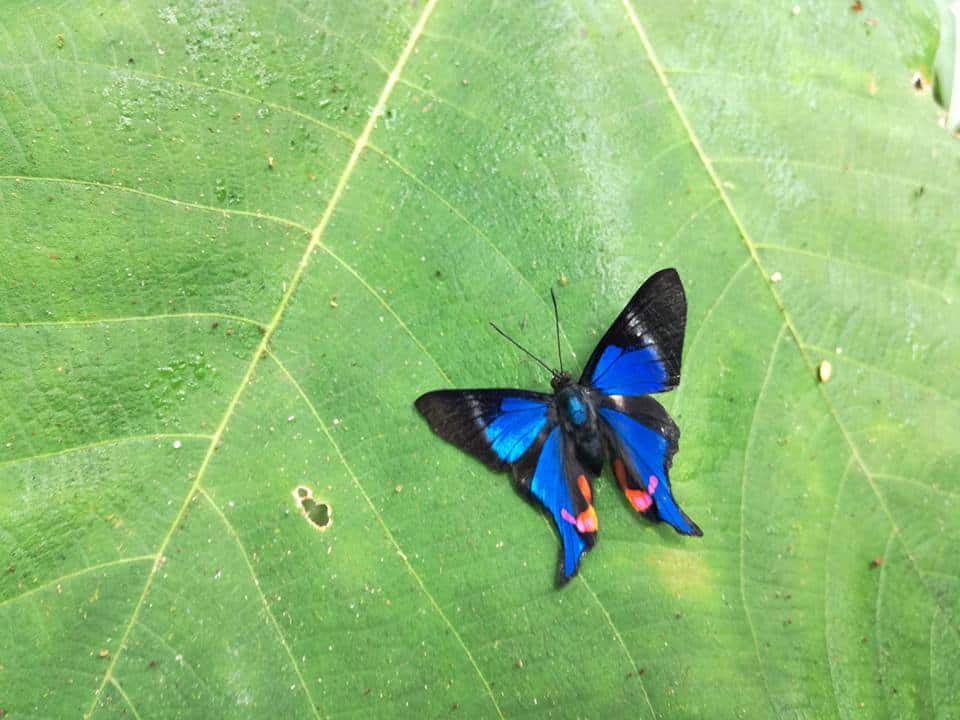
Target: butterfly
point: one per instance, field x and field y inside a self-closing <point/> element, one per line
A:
<point x="555" y="444"/>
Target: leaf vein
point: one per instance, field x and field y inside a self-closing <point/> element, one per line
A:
<point x="778" y="300"/>
<point x="463" y="218"/>
<point x="899" y="277"/>
<point x="159" y="198"/>
<point x="126" y="698"/>
<point x="619" y="638"/>
<point x="866" y="172"/>
<point x="130" y="318"/>
<point x="845" y="357"/>
<point x="232" y="531"/>
<point x="104" y="443"/>
<point x="261" y="348"/>
<point x="73" y="575"/>
<point x="386" y="530"/>
<point x="834" y="683"/>
<point x="743" y="495"/>
<point x="142" y="74"/>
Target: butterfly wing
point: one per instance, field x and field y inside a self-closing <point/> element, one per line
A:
<point x="640" y="353"/>
<point x="496" y="426"/>
<point x="518" y="429"/>
<point x="641" y="440"/>
<point x="559" y="482"/>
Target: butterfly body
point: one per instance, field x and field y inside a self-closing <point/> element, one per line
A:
<point x="577" y="411"/>
<point x="555" y="445"/>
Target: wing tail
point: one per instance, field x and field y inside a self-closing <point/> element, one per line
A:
<point x="564" y="488"/>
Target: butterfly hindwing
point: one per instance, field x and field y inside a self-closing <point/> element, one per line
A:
<point x="559" y="482"/>
<point x="640" y="353"/>
<point x="641" y="439"/>
<point x="495" y="426"/>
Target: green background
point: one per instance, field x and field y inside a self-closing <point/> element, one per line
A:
<point x="189" y="335"/>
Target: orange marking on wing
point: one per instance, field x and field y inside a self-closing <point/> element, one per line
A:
<point x="640" y="499"/>
<point x="587" y="520"/>
<point x="584" y="486"/>
<point x="620" y="473"/>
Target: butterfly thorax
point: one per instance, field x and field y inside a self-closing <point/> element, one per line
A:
<point x="577" y="411"/>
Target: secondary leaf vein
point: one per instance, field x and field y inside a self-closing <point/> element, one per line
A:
<point x="386" y="530"/>
<point x="315" y="241"/>
<point x="160" y="198"/>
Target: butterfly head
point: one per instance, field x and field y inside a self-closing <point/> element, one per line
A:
<point x="560" y="380"/>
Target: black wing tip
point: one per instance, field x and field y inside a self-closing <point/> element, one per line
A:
<point x="434" y="400"/>
<point x="668" y="276"/>
<point x="666" y="273"/>
<point x="695" y="530"/>
<point x="563" y="579"/>
<point x="423" y="402"/>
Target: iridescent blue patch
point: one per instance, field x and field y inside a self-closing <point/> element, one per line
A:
<point x="629" y="372"/>
<point x="516" y="427"/>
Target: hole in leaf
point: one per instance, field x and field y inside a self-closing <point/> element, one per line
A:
<point x="318" y="513"/>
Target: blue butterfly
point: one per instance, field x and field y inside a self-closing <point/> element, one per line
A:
<point x="555" y="444"/>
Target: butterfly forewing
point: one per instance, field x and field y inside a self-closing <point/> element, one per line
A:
<point x="640" y="353"/>
<point x="496" y="426"/>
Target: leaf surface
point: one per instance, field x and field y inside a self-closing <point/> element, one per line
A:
<point x="240" y="239"/>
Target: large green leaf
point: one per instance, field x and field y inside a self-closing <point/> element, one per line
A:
<point x="239" y="238"/>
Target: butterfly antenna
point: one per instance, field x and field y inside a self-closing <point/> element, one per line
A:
<point x="548" y="369"/>
<point x="556" y="317"/>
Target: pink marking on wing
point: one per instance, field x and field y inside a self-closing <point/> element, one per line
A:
<point x="652" y="484"/>
<point x="567" y="516"/>
<point x="641" y="501"/>
<point x="587" y="520"/>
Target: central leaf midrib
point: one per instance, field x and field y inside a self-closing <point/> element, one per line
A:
<point x="315" y="242"/>
<point x="781" y="307"/>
